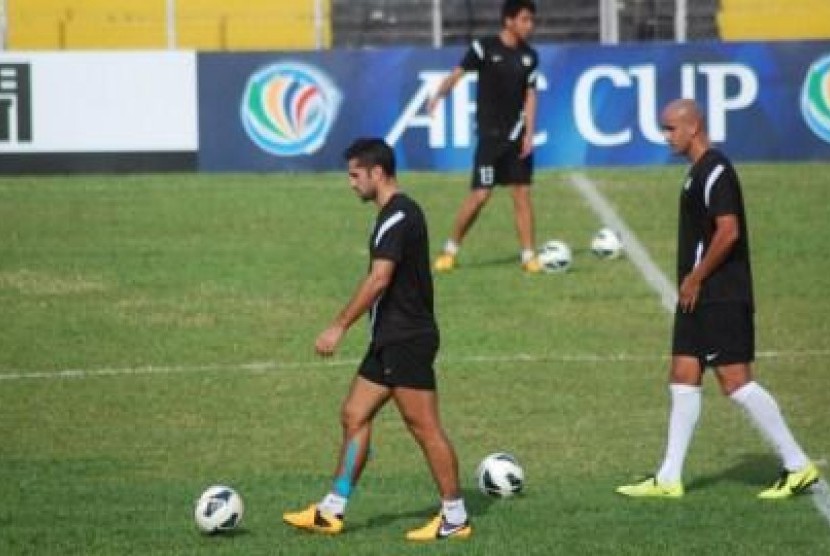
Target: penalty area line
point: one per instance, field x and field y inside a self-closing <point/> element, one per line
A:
<point x="270" y="366"/>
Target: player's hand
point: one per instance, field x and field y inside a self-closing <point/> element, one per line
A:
<point x="689" y="291"/>
<point x="328" y="340"/>
<point x="432" y="103"/>
<point x="527" y="146"/>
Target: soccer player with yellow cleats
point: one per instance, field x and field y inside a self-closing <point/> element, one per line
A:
<point x="650" y="488"/>
<point x="315" y="520"/>
<point x="791" y="483"/>
<point x="438" y="529"/>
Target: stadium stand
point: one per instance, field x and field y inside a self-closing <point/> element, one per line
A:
<point x="289" y="24"/>
<point x="774" y="19"/>
<point x="136" y="24"/>
<point x="386" y="22"/>
<point x="653" y="20"/>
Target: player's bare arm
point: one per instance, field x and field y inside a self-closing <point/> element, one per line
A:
<point x="727" y="231"/>
<point x="367" y="292"/>
<point x="444" y="88"/>
<point x="531" y="101"/>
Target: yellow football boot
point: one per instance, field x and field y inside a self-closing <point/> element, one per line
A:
<point x="312" y="519"/>
<point x="532" y="266"/>
<point x="444" y="262"/>
<point x="650" y="488"/>
<point x="437" y="529"/>
<point x="791" y="483"/>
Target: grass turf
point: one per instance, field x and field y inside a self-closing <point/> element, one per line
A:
<point x="189" y="304"/>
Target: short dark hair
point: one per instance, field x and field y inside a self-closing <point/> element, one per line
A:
<point x="511" y="8"/>
<point x="370" y="152"/>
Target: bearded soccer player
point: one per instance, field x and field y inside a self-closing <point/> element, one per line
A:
<point x="505" y="119"/>
<point x="398" y="296"/>
<point x="713" y="324"/>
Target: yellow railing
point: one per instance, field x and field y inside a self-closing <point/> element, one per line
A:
<point x="137" y="24"/>
<point x="774" y="19"/>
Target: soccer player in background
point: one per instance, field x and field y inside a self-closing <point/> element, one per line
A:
<point x="713" y="324"/>
<point x="398" y="365"/>
<point x="505" y="119"/>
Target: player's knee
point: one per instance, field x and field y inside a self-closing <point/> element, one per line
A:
<point x="481" y="195"/>
<point x="350" y="419"/>
<point x="732" y="378"/>
<point x="685" y="370"/>
<point x="427" y="433"/>
<point x="520" y="193"/>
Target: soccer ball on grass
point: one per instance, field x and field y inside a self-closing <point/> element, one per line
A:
<point x="555" y="256"/>
<point x="500" y="475"/>
<point x="606" y="244"/>
<point x="219" y="509"/>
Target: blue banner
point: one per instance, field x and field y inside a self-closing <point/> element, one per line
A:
<point x="598" y="105"/>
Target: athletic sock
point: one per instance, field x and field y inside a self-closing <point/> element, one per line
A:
<point x="333" y="504"/>
<point x="527" y="255"/>
<point x="454" y="511"/>
<point x="683" y="416"/>
<point x="765" y="414"/>
<point x="451" y="248"/>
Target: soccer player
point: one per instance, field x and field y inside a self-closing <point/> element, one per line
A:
<point x="398" y="365"/>
<point x="505" y="118"/>
<point x="713" y="324"/>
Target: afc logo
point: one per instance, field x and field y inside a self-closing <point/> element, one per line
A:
<point x="15" y="103"/>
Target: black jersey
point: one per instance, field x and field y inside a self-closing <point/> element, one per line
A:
<point x="504" y="76"/>
<point x="405" y="309"/>
<point x="712" y="189"/>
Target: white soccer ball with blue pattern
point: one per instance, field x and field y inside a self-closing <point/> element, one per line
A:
<point x="219" y="509"/>
<point x="607" y="244"/>
<point x="555" y="256"/>
<point x="500" y="475"/>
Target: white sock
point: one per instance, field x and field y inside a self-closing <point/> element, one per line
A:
<point x="764" y="413"/>
<point x="451" y="248"/>
<point x="454" y="511"/>
<point x="333" y="504"/>
<point x="683" y="416"/>
<point x="527" y="254"/>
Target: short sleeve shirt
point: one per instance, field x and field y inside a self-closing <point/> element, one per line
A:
<point x="712" y="189"/>
<point x="504" y="76"/>
<point x="405" y="309"/>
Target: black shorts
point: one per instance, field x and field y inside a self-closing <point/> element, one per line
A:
<point x="497" y="162"/>
<point x="408" y="363"/>
<point x="716" y="333"/>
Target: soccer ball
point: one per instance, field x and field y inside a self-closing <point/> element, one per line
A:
<point x="500" y="475"/>
<point x="555" y="256"/>
<point x="218" y="509"/>
<point x="606" y="244"/>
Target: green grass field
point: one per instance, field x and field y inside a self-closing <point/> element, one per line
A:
<point x="156" y="337"/>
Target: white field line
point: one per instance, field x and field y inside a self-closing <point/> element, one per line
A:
<point x="637" y="254"/>
<point x="820" y="492"/>
<point x="270" y="366"/>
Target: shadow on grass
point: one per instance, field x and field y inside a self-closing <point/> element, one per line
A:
<point x="753" y="469"/>
<point x="482" y="263"/>
<point x="238" y="532"/>
<point x="477" y="504"/>
<point x="512" y="260"/>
